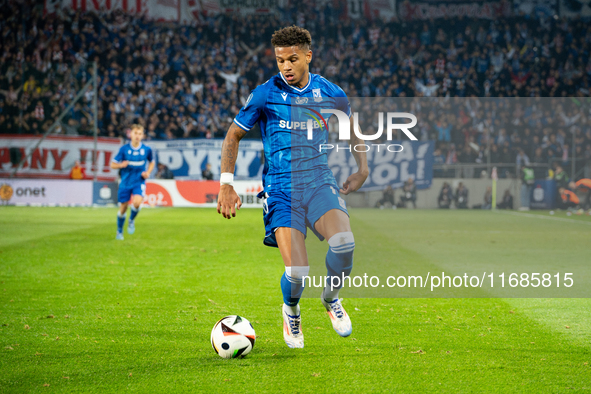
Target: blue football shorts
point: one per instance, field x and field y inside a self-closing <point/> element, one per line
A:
<point x="124" y="194"/>
<point x="298" y="210"/>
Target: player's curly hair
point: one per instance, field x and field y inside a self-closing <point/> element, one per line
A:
<point x="292" y="36"/>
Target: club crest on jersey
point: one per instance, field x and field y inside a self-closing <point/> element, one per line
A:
<point x="142" y="151"/>
<point x="317" y="95"/>
<point x="284" y="95"/>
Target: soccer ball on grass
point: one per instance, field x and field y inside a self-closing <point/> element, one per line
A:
<point x="232" y="336"/>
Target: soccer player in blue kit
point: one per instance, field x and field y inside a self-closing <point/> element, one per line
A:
<point x="312" y="200"/>
<point x="132" y="160"/>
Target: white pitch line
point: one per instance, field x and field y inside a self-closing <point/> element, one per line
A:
<point x="532" y="215"/>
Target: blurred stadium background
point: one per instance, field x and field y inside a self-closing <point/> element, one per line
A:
<point x="75" y="74"/>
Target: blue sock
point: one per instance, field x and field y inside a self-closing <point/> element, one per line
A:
<point x="339" y="263"/>
<point x="292" y="285"/>
<point x="120" y="222"/>
<point x="134" y="212"/>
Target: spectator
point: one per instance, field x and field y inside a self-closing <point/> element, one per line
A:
<point x="163" y="172"/>
<point x="561" y="178"/>
<point x="507" y="201"/>
<point x="445" y="196"/>
<point x="77" y="172"/>
<point x="409" y="194"/>
<point x="206" y="174"/>
<point x="461" y="197"/>
<point x="387" y="196"/>
<point x="527" y="183"/>
<point x="487" y="198"/>
<point x="583" y="186"/>
<point x="568" y="199"/>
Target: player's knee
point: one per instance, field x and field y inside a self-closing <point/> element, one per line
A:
<point x="343" y="242"/>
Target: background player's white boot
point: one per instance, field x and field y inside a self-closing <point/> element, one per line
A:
<point x="131" y="227"/>
<point x="338" y="316"/>
<point x="292" y="328"/>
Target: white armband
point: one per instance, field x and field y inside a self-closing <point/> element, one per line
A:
<point x="227" y="178"/>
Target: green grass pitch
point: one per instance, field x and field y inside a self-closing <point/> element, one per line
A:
<point x="81" y="312"/>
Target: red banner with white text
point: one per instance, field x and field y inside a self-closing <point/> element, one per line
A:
<point x="56" y="156"/>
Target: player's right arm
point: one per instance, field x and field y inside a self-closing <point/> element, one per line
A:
<point x="118" y="162"/>
<point x="228" y="199"/>
<point x="248" y="116"/>
<point x="117" y="166"/>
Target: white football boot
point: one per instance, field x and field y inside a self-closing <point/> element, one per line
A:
<point x="338" y="317"/>
<point x="292" y="329"/>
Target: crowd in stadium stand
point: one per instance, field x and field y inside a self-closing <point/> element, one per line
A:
<point x="190" y="81"/>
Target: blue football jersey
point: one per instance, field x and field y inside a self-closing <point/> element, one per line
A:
<point x="138" y="159"/>
<point x="292" y="160"/>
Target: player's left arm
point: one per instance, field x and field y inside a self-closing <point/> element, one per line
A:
<point x="356" y="180"/>
<point x="146" y="174"/>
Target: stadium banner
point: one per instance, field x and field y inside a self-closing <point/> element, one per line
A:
<point x="192" y="10"/>
<point x="162" y="10"/>
<point x="173" y="193"/>
<point x="56" y="156"/>
<point x="104" y="193"/>
<point x="449" y="9"/>
<point x="385" y="9"/>
<point x="543" y="194"/>
<point x="414" y="160"/>
<point x="187" y="158"/>
<point x="45" y="192"/>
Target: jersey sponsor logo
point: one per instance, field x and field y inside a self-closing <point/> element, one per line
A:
<point x="301" y="100"/>
<point x="284" y="95"/>
<point x="137" y="163"/>
<point x="284" y="124"/>
<point x="317" y="122"/>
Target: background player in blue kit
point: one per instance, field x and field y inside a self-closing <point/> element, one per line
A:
<point x="307" y="197"/>
<point x="132" y="160"/>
